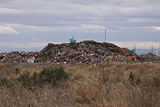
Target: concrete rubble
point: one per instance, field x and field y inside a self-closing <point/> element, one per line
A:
<point x="82" y="52"/>
<point x="18" y="57"/>
<point x="149" y="57"/>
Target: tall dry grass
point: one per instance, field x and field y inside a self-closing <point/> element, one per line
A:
<point x="99" y="85"/>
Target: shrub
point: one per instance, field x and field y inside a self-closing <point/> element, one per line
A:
<point x="131" y="76"/>
<point x="53" y="75"/>
<point x="36" y="79"/>
<point x="46" y="76"/>
<point x="17" y="70"/>
<point x="25" y="80"/>
<point x="133" y="80"/>
<point x="4" y="82"/>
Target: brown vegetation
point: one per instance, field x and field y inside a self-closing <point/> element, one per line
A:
<point x="102" y="85"/>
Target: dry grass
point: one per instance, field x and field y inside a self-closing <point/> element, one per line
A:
<point x="87" y="86"/>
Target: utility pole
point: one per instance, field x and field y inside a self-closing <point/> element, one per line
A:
<point x="152" y="49"/>
<point x="105" y="34"/>
<point x="135" y="49"/>
<point x="159" y="50"/>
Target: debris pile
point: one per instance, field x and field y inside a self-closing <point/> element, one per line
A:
<point x="149" y="57"/>
<point x="18" y="57"/>
<point x="82" y="52"/>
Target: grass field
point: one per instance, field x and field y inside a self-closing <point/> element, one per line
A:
<point x="101" y="85"/>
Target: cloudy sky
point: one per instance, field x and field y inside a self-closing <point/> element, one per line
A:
<point x="33" y="23"/>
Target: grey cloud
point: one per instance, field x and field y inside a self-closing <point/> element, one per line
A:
<point x="116" y="15"/>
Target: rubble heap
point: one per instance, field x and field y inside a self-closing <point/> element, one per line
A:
<point x="84" y="52"/>
<point x="149" y="57"/>
<point x="18" y="57"/>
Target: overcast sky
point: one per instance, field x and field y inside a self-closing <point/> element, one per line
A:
<point x="34" y="23"/>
